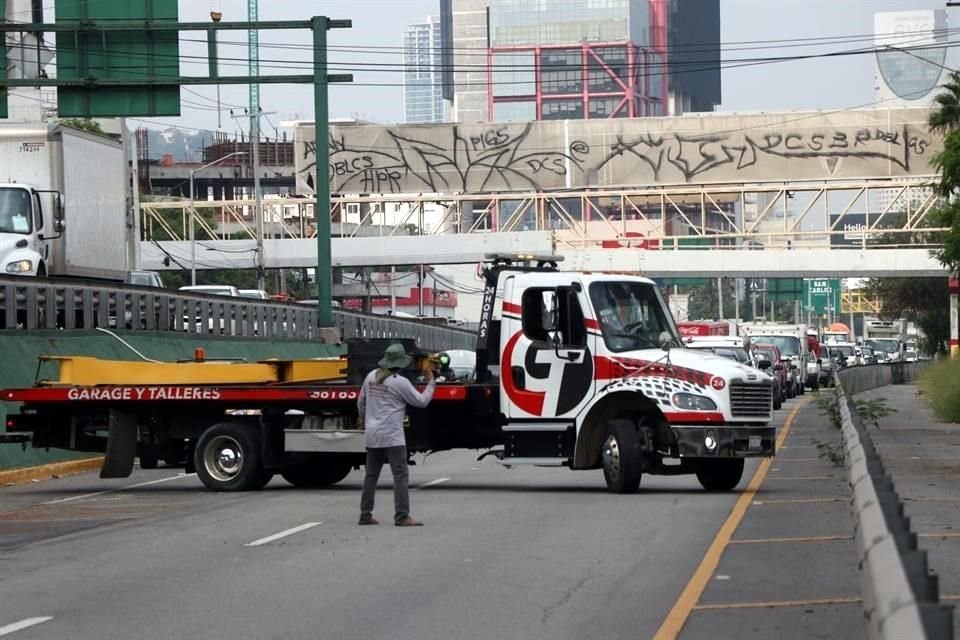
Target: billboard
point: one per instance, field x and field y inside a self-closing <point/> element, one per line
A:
<point x="849" y="229"/>
<point x="908" y="67"/>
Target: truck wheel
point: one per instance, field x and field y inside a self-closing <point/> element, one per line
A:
<point x="264" y="479"/>
<point x="622" y="457"/>
<point x="720" y="475"/>
<point x="227" y="458"/>
<point x="148" y="461"/>
<point x="317" y="472"/>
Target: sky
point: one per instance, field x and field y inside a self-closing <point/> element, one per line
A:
<point x="798" y="85"/>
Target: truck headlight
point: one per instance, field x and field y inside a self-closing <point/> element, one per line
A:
<point x="20" y="266"/>
<point x="692" y="402"/>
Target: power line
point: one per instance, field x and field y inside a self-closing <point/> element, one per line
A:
<point x="709" y="66"/>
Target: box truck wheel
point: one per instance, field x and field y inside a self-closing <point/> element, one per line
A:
<point x="148" y="461"/>
<point x="720" y="475"/>
<point x="319" y="471"/>
<point x="227" y="458"/>
<point x="622" y="455"/>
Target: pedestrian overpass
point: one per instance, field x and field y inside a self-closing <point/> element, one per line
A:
<point x="862" y="228"/>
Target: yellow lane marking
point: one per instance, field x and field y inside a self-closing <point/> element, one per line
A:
<point x="796" y="539"/>
<point x="944" y="499"/>
<point x="951" y="597"/>
<point x="779" y="603"/>
<point x="42" y="472"/>
<point x="945" y="534"/>
<point x="802" y="478"/>
<point x="688" y="599"/>
<point x="800" y="500"/>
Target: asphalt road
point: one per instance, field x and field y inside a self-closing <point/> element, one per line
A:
<point x="505" y="553"/>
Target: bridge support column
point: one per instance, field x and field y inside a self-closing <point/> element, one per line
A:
<point x="954" y="320"/>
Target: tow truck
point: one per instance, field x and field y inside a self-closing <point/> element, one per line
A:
<point x="580" y="370"/>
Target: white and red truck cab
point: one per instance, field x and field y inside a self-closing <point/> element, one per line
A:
<point x="581" y="370"/>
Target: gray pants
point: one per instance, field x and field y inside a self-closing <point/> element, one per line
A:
<point x="397" y="458"/>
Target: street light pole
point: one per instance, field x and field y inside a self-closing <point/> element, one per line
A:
<point x="193" y="213"/>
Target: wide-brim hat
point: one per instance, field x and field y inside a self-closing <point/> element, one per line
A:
<point x="395" y="358"/>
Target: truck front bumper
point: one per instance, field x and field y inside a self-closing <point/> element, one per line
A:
<point x="725" y="442"/>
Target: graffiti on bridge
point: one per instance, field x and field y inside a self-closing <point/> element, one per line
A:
<point x="540" y="156"/>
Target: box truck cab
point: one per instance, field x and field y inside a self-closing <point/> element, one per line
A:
<point x="30" y="219"/>
<point x="793" y="344"/>
<point x="52" y="172"/>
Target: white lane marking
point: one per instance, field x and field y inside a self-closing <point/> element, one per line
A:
<point x="433" y="483"/>
<point x="282" y="534"/>
<point x="129" y="486"/>
<point x="23" y="624"/>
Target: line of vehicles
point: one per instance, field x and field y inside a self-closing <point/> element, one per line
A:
<point x="802" y="357"/>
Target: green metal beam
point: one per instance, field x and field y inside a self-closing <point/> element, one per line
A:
<point x="146" y="25"/>
<point x="172" y="81"/>
<point x="321" y="120"/>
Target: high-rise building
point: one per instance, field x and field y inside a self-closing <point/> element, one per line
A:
<point x="519" y="60"/>
<point x="909" y="69"/>
<point x="470" y="46"/>
<point x="575" y="59"/>
<point x="423" y="73"/>
<point x="909" y="65"/>
<point x="693" y="55"/>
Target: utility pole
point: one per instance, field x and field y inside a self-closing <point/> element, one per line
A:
<point x="720" y="298"/>
<point x="253" y="67"/>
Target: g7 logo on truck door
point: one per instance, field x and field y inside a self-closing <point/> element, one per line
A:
<point x="554" y="387"/>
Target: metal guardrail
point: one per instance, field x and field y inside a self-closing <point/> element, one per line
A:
<point x="900" y="593"/>
<point x="67" y="305"/>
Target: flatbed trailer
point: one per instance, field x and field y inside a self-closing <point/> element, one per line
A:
<point x="560" y="381"/>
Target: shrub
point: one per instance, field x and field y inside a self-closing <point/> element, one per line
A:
<point x="941" y="382"/>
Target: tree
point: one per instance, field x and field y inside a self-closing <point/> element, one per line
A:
<point x="923" y="301"/>
<point x="945" y="119"/>
<point x="84" y="124"/>
<point x="945" y="116"/>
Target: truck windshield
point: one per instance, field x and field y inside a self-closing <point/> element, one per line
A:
<point x="887" y="345"/>
<point x="631" y="315"/>
<point x="789" y="346"/>
<point x="15" y="211"/>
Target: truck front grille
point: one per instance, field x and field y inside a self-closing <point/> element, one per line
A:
<point x="751" y="400"/>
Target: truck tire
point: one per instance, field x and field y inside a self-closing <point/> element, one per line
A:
<point x="227" y="458"/>
<point x="317" y="472"/>
<point x="720" y="475"/>
<point x="622" y="455"/>
<point x="264" y="479"/>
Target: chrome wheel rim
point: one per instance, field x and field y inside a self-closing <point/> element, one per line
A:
<point x="223" y="458"/>
<point x="611" y="458"/>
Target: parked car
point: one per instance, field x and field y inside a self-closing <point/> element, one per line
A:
<point x="145" y="279"/>
<point x="828" y="364"/>
<point x="215" y="290"/>
<point x="843" y="354"/>
<point x="769" y="354"/>
<point x="256" y="294"/>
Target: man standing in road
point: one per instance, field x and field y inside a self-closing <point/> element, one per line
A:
<point x="383" y="402"/>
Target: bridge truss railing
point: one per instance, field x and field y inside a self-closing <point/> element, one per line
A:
<point x="885" y="212"/>
<point x="40" y="303"/>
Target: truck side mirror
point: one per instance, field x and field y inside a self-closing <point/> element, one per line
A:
<point x="549" y="312"/>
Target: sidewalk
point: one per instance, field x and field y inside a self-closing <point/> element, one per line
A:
<point x="788" y="567"/>
<point x="923" y="457"/>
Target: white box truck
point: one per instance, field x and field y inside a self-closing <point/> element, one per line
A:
<point x="62" y="203"/>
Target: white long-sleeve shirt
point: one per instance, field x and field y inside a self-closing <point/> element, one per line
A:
<point x="383" y="406"/>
